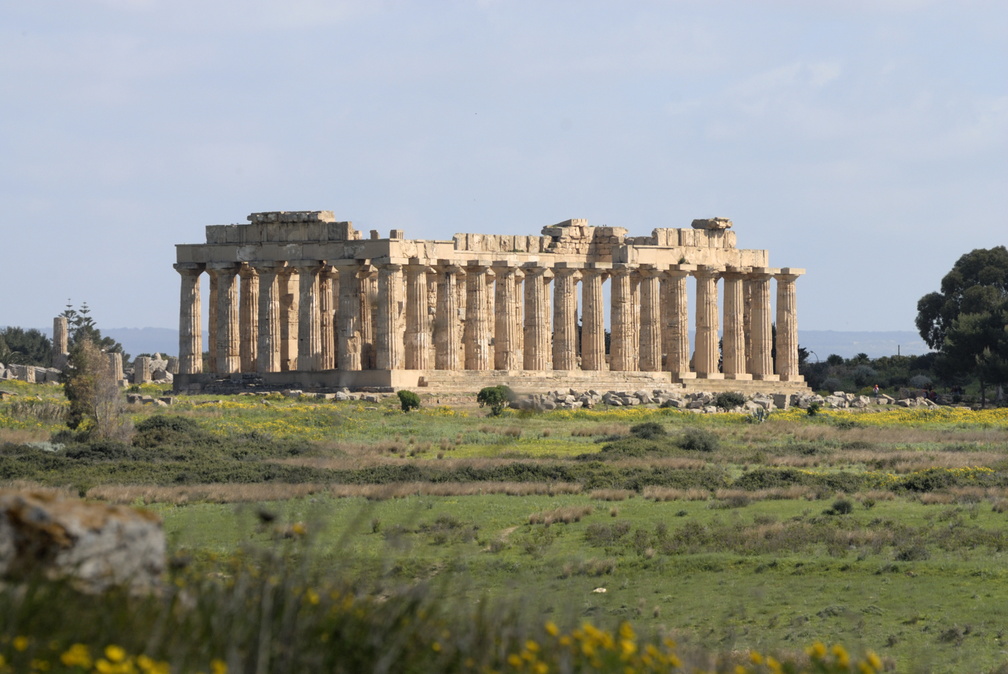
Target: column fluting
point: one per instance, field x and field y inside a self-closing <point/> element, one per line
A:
<point x="537" y="333"/>
<point x="190" y="318"/>
<point x="565" y="352"/>
<point x="706" y="356"/>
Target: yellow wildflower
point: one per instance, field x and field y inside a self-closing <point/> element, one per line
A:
<point x="218" y="666"/>
<point x="115" y="653"/>
<point x="20" y="643"/>
<point x="77" y="655"/>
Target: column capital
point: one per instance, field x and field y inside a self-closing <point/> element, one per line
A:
<point x="223" y="266"/>
<point x="533" y="269"/>
<point x="680" y="270"/>
<point x="708" y="270"/>
<point x="762" y="273"/>
<point x="789" y="273"/>
<point x="734" y="272"/>
<point x="195" y="268"/>
<point x="268" y="266"/>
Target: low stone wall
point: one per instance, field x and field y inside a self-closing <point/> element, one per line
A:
<point x="30" y="373"/>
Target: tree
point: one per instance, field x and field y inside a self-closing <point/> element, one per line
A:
<point x="495" y="397"/>
<point x="81" y="326"/>
<point x="25" y="347"/>
<point x="408" y="400"/>
<point x="97" y="409"/>
<point x="966" y="321"/>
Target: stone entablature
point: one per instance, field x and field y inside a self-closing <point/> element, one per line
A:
<point x="300" y="292"/>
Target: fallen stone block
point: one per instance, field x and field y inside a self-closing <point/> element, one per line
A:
<point x="95" y="545"/>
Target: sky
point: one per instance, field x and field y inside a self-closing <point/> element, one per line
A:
<point x="863" y="140"/>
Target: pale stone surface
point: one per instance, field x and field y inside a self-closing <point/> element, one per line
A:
<point x="96" y="545"/>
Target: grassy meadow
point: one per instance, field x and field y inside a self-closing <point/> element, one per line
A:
<point x="631" y="539"/>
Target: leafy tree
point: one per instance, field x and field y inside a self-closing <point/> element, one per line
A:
<point x="966" y="321"/>
<point x="25" y="347"/>
<point x="408" y="400"/>
<point x="97" y="410"/>
<point x="495" y="397"/>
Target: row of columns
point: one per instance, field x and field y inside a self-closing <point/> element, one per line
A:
<point x="251" y="322"/>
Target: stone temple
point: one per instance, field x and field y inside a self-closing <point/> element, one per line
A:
<point x="299" y="299"/>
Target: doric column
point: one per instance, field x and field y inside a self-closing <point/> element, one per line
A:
<point x="60" y="338"/>
<point x="348" y="318"/>
<point x="369" y="300"/>
<point x="706" y="357"/>
<point x="388" y="334"/>
<point x="733" y="359"/>
<point x="507" y="319"/>
<point x="675" y="318"/>
<point x="477" y="325"/>
<point x="269" y="315"/>
<point x="417" y="317"/>
<point x="747" y="321"/>
<point x="565" y="352"/>
<point x="309" y="358"/>
<point x="248" y="318"/>
<point x="446" y="327"/>
<point x="115" y="365"/>
<point x="537" y="333"/>
<point x="224" y="279"/>
<point x="290" y="298"/>
<point x="622" y="350"/>
<point x="592" y="320"/>
<point x="762" y="336"/>
<point x="211" y="361"/>
<point x="327" y="317"/>
<point x="650" y="319"/>
<point x="787" y="325"/>
<point x="190" y="313"/>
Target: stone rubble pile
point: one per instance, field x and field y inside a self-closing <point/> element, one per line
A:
<point x="704" y="401"/>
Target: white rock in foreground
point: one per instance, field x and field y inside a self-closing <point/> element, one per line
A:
<point x="95" y="544"/>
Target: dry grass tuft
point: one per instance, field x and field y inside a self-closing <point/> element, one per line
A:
<point x="565" y="515"/>
<point x="673" y="494"/>
<point x="203" y="493"/>
<point x="611" y="494"/>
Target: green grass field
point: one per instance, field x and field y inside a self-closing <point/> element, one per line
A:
<point x="884" y="531"/>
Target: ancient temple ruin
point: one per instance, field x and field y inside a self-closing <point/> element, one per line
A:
<point x="301" y="299"/>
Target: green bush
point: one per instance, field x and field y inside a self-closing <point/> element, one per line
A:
<point x="408" y="400"/>
<point x="699" y="440"/>
<point x="648" y="430"/>
<point x="729" y="400"/>
<point x="495" y="397"/>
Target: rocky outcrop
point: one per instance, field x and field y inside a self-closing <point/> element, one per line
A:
<point x="95" y="545"/>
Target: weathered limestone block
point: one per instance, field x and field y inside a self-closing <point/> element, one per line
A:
<point x="711" y="223"/>
<point x="141" y="370"/>
<point x="96" y="545"/>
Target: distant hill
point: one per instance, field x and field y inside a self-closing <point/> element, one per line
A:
<point x="821" y="343"/>
<point x="849" y="344"/>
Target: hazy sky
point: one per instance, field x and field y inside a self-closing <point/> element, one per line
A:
<point x="866" y="141"/>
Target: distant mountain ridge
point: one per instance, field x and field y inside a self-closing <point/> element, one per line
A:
<point x="820" y="343"/>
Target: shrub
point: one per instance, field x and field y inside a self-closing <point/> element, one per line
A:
<point x="495" y="397"/>
<point x="408" y="400"/>
<point x="648" y="430"/>
<point x="841" y="506"/>
<point x="729" y="400"/>
<point x="814" y="408"/>
<point x="699" y="439"/>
